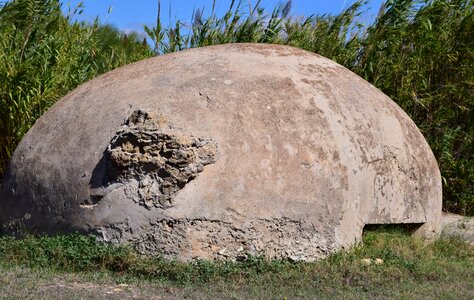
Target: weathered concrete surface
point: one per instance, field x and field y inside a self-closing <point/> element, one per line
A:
<point x="149" y="162"/>
<point x="453" y="225"/>
<point x="272" y="150"/>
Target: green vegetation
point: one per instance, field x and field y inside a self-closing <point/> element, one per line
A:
<point x="410" y="269"/>
<point x="420" y="53"/>
<point x="43" y="55"/>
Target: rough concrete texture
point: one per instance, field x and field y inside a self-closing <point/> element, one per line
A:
<point x="149" y="161"/>
<point x="218" y="151"/>
<point x="453" y="225"/>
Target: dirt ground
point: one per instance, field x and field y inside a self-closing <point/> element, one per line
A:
<point x="22" y="283"/>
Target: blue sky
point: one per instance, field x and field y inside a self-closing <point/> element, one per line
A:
<point x="131" y="15"/>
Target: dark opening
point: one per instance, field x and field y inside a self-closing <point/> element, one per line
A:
<point x="408" y="228"/>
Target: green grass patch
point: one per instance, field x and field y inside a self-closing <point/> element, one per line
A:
<point x="411" y="268"/>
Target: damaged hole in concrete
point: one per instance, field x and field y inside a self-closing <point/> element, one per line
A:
<point x="150" y="161"/>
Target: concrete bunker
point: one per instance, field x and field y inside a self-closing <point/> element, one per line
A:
<point x="218" y="151"/>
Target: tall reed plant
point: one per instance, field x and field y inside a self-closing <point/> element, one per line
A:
<point x="44" y="54"/>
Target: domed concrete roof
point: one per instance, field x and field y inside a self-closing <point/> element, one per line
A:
<point x="217" y="151"/>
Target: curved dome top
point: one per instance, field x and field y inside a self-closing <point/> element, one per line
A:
<point x="209" y="151"/>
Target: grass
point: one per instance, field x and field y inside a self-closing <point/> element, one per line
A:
<point x="411" y="269"/>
